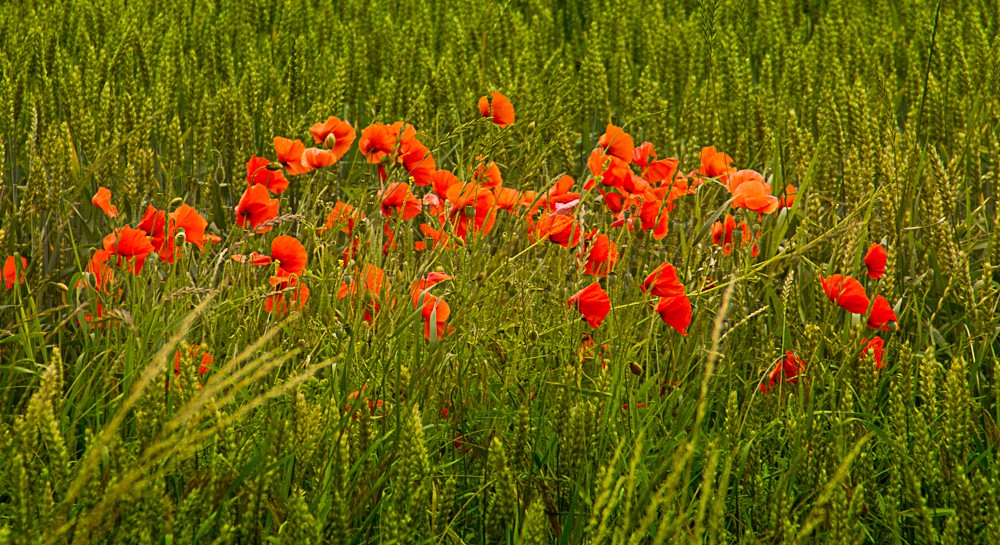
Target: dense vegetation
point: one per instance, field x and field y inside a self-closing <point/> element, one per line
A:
<point x="202" y="399"/>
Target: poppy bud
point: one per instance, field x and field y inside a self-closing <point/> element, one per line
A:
<point x="62" y="287"/>
<point x="331" y="141"/>
<point x="274" y="166"/>
<point x="469" y="211"/>
<point x="635" y="368"/>
<point x="531" y="126"/>
<point x="640" y="234"/>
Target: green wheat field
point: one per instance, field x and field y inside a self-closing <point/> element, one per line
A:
<point x="499" y="271"/>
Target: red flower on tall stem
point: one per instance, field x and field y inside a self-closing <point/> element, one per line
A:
<point x="593" y="303"/>
<point x="788" y="368"/>
<point x="497" y="107"/>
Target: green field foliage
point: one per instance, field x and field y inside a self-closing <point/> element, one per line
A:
<point x="340" y="421"/>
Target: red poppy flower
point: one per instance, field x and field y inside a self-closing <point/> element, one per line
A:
<point x="161" y="232"/>
<point x="462" y="445"/>
<point x="260" y="260"/>
<point x="654" y="214"/>
<point x="875" y="261"/>
<point x="335" y="134"/>
<point x="589" y="351"/>
<point x="435" y="310"/>
<point x="421" y="286"/>
<point x="597" y="163"/>
<point x="507" y="198"/>
<point x="602" y="256"/>
<point x="499" y="108"/>
<point x="344" y="215"/>
<point x="102" y="200"/>
<point x="255" y="208"/>
<point x="715" y="164"/>
<point x="722" y="233"/>
<point x="608" y="169"/>
<point x="790" y="367"/>
<point x="379" y="140"/>
<point x="473" y="205"/>
<point x="750" y="191"/>
<point x="187" y="218"/>
<point x="881" y="314"/>
<point x="593" y="303"/>
<point x="433" y="205"/>
<point x="438" y="236"/>
<point x="290" y="294"/>
<point x="486" y="174"/>
<point x="675" y="311"/>
<point x="194" y="353"/>
<point x="374" y="287"/>
<point x="788" y="199"/>
<point x="877" y="347"/>
<point x="318" y="158"/>
<point x="634" y="184"/>
<point x="613" y="200"/>
<point x="351" y="251"/>
<point x="643" y="155"/>
<point x="390" y="239"/>
<point x="290" y="255"/>
<point x="558" y="194"/>
<point x="419" y="163"/>
<point x="131" y="246"/>
<point x="441" y="182"/>
<point x="663" y="282"/>
<point x="738" y="178"/>
<point x="397" y="199"/>
<point x="290" y="155"/>
<point x="11" y="274"/>
<point x="846" y="292"/>
<point x="258" y="173"/>
<point x="563" y="230"/>
<point x="665" y="170"/>
<point x="617" y="143"/>
<point x="104" y="276"/>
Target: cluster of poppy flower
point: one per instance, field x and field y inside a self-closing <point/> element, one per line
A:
<point x="847" y="293"/>
<point x="637" y="188"/>
<point x="156" y="232"/>
<point x="635" y="184"/>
